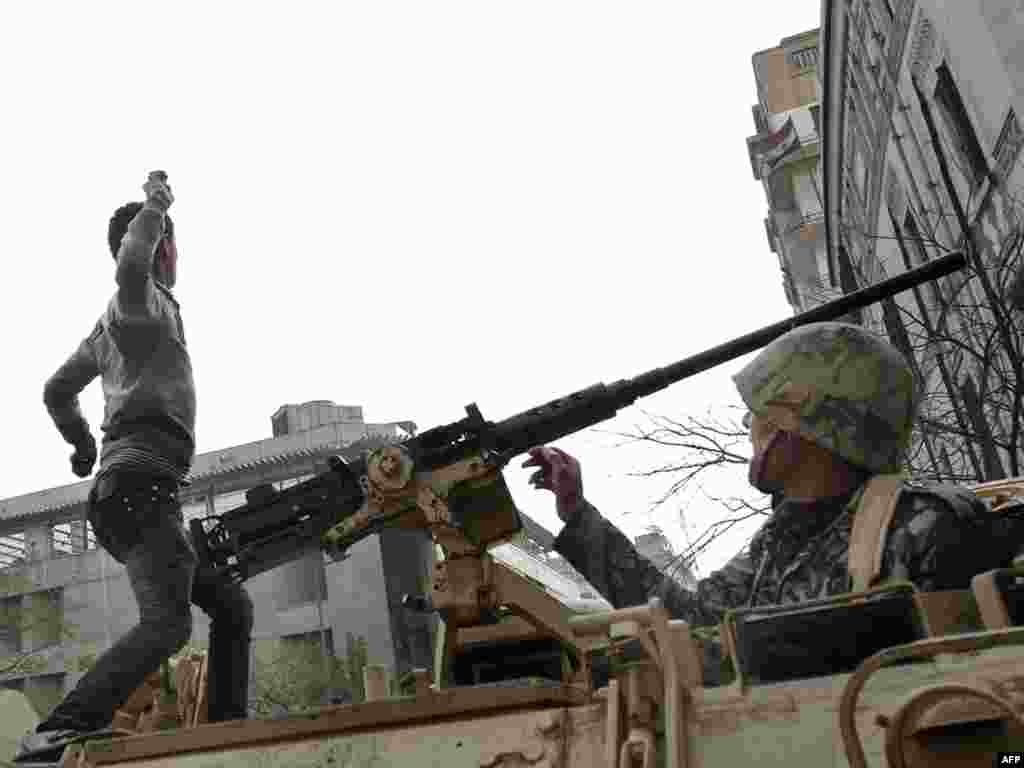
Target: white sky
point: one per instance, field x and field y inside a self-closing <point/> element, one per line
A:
<point x="405" y="206"/>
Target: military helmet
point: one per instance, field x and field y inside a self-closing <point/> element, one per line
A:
<point x="839" y="387"/>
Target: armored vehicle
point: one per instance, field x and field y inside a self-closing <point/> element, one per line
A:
<point x="885" y="677"/>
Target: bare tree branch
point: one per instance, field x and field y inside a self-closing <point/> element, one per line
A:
<point x="958" y="329"/>
<point x="741" y="509"/>
<point x="698" y="445"/>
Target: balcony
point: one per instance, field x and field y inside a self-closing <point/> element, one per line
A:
<point x="804" y="58"/>
<point x="806" y="226"/>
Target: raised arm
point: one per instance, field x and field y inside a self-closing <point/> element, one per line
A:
<point x="138" y="247"/>
<point x="603" y="555"/>
<point x="607" y="559"/>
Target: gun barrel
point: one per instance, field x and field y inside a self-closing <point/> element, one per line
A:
<point x="270" y="529"/>
<point x="558" y="418"/>
<point x="660" y="378"/>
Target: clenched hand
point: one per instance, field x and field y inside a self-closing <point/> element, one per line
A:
<point x="559" y="473"/>
<point x="158" y="192"/>
<point x="84" y="457"/>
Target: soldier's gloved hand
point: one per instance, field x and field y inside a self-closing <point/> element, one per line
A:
<point x="84" y="457"/>
<point x="158" y="192"/>
<point x="559" y="473"/>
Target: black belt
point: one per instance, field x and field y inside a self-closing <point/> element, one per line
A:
<point x="136" y="486"/>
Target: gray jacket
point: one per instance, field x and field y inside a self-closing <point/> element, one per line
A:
<point x="138" y="348"/>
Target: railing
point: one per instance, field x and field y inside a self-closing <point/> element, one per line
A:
<point x="805" y="58"/>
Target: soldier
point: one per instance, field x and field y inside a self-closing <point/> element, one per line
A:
<point x="138" y="348"/>
<point x="830" y="409"/>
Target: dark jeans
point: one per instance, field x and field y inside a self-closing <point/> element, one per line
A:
<point x="138" y="521"/>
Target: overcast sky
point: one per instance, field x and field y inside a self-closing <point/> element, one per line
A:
<point x="404" y="206"/>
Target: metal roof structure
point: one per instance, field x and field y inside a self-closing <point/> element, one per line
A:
<point x="207" y="466"/>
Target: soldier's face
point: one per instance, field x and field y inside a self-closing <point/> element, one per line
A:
<point x="769" y="463"/>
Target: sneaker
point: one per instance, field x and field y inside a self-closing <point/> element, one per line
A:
<point x="33" y="743"/>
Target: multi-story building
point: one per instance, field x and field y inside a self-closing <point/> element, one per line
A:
<point x="50" y="565"/>
<point x="785" y="158"/>
<point x="656" y="547"/>
<point x="921" y="121"/>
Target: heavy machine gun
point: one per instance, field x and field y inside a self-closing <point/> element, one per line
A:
<point x="956" y="703"/>
<point x="448" y="481"/>
<point x="943" y="686"/>
<point x="423" y="481"/>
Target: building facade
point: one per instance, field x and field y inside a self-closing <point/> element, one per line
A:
<point x="921" y="133"/>
<point x="54" y="578"/>
<point x="785" y="157"/>
<point x="656" y="547"/>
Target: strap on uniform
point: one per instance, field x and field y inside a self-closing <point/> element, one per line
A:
<point x="871" y="520"/>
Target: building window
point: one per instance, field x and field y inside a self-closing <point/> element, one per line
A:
<point x="45" y="691"/>
<point x="862" y="178"/>
<point x="882" y="18"/>
<point x="954" y="113"/>
<point x="857" y="172"/>
<point x="790" y="291"/>
<point x="292" y="481"/>
<point x="769" y="230"/>
<point x="808" y="198"/>
<point x="12" y="549"/>
<point x="194" y="509"/>
<point x="46" y="618"/>
<point x="861" y="86"/>
<point x="11" y="622"/>
<point x="857" y="117"/>
<point x="901" y="25"/>
<point x="805" y="58"/>
<point x="895" y="197"/>
<point x="227" y="501"/>
<point x="760" y="121"/>
<point x="901" y="8"/>
<point x="310" y="641"/>
<point x="857" y="17"/>
<point x="72" y="537"/>
<point x="279" y="423"/>
<point x="1011" y="139"/>
<point x="915" y="243"/>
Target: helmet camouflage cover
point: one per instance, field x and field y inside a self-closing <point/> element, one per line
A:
<point x="838" y="386"/>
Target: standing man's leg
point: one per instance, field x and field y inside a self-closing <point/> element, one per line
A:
<point x="144" y="534"/>
<point x="227" y="668"/>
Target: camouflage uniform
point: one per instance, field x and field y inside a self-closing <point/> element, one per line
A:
<point x="842" y="389"/>
<point x="799" y="554"/>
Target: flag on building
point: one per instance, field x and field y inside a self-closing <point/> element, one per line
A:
<point x="767" y="151"/>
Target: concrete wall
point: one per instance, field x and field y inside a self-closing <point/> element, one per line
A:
<point x="299" y="582"/>
<point x="359" y="602"/>
<point x="883" y="120"/>
<point x="1005" y="19"/>
<point x="984" y="41"/>
<point x="784" y="85"/>
<point x="407" y="561"/>
<point x="787" y="84"/>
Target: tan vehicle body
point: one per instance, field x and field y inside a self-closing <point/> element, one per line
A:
<point x="960" y="703"/>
